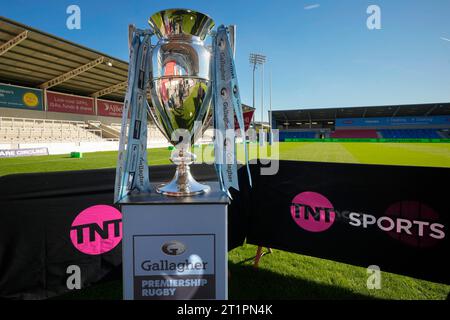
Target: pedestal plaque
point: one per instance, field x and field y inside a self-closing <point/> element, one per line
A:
<point x="175" y="247"/>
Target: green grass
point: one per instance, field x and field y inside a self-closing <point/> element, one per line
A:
<point x="94" y="160"/>
<point x="285" y="275"/>
<point x="408" y="154"/>
<point x="282" y="275"/>
<point x="415" y="154"/>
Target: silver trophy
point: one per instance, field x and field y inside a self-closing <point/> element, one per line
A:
<point x="180" y="89"/>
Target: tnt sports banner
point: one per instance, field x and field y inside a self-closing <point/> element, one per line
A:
<point x="58" y="102"/>
<point x="396" y="218"/>
<point x="109" y="108"/>
<point x="58" y="231"/>
<point x="20" y="97"/>
<point x="56" y="225"/>
<point x="443" y="121"/>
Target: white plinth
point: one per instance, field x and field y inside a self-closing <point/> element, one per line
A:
<point x="175" y="248"/>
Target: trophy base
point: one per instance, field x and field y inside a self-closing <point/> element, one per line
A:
<point x="183" y="184"/>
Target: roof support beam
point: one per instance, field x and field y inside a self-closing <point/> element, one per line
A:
<point x="431" y="110"/>
<point x="396" y="111"/>
<point x="72" y="73"/>
<point x="110" y="89"/>
<point x="310" y="120"/>
<point x="365" y="111"/>
<point x="13" y="42"/>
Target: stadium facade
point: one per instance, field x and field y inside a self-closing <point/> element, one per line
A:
<point x="419" y="122"/>
<point x="58" y="94"/>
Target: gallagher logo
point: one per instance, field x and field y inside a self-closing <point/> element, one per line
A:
<point x="173" y="248"/>
<point x="312" y="211"/>
<point x="97" y="229"/>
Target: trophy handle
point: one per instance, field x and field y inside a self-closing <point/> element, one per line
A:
<point x="232" y="35"/>
<point x="131" y="29"/>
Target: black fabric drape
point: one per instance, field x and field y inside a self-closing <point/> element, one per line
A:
<point x="36" y="213"/>
<point x="362" y="189"/>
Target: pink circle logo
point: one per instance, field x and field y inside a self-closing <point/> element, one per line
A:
<point x="97" y="229"/>
<point x="312" y="211"/>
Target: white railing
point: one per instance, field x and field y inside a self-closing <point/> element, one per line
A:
<point x="153" y="133"/>
<point x="14" y="130"/>
<point x="25" y="122"/>
<point x="36" y="130"/>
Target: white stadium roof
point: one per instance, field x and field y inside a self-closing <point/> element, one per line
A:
<point x="34" y="58"/>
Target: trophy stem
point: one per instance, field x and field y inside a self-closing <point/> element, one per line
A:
<point x="183" y="183"/>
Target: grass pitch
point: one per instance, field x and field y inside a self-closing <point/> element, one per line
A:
<point x="282" y="275"/>
<point x="408" y="154"/>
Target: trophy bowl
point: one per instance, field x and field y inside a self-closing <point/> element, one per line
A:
<point x="180" y="89"/>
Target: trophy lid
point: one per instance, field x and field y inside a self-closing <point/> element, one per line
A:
<point x="181" y="22"/>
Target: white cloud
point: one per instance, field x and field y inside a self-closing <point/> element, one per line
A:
<point x="445" y="39"/>
<point x="312" y="6"/>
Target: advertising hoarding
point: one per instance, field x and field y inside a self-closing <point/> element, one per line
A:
<point x="58" y="102"/>
<point x="20" y="97"/>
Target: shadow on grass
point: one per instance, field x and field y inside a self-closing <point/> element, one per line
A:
<point x="110" y="288"/>
<point x="246" y="282"/>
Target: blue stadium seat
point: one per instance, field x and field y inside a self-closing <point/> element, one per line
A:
<point x="297" y="135"/>
<point x="409" y="134"/>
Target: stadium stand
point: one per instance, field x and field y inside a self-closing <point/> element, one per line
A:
<point x="112" y="132"/>
<point x="445" y="133"/>
<point x="410" y="134"/>
<point x="286" y="135"/>
<point x="107" y="130"/>
<point x="357" y="134"/>
<point x="58" y="93"/>
<point x="424" y="122"/>
<point x="50" y="92"/>
<point x="24" y="130"/>
<point x="40" y="130"/>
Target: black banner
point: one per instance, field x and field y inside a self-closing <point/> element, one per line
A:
<point x="53" y="223"/>
<point x="396" y="218"/>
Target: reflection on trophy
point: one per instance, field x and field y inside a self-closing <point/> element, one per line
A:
<point x="180" y="89"/>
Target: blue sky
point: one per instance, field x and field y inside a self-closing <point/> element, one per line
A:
<point x="320" y="52"/>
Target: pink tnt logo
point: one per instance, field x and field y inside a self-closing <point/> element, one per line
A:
<point x="312" y="211"/>
<point x="97" y="229"/>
